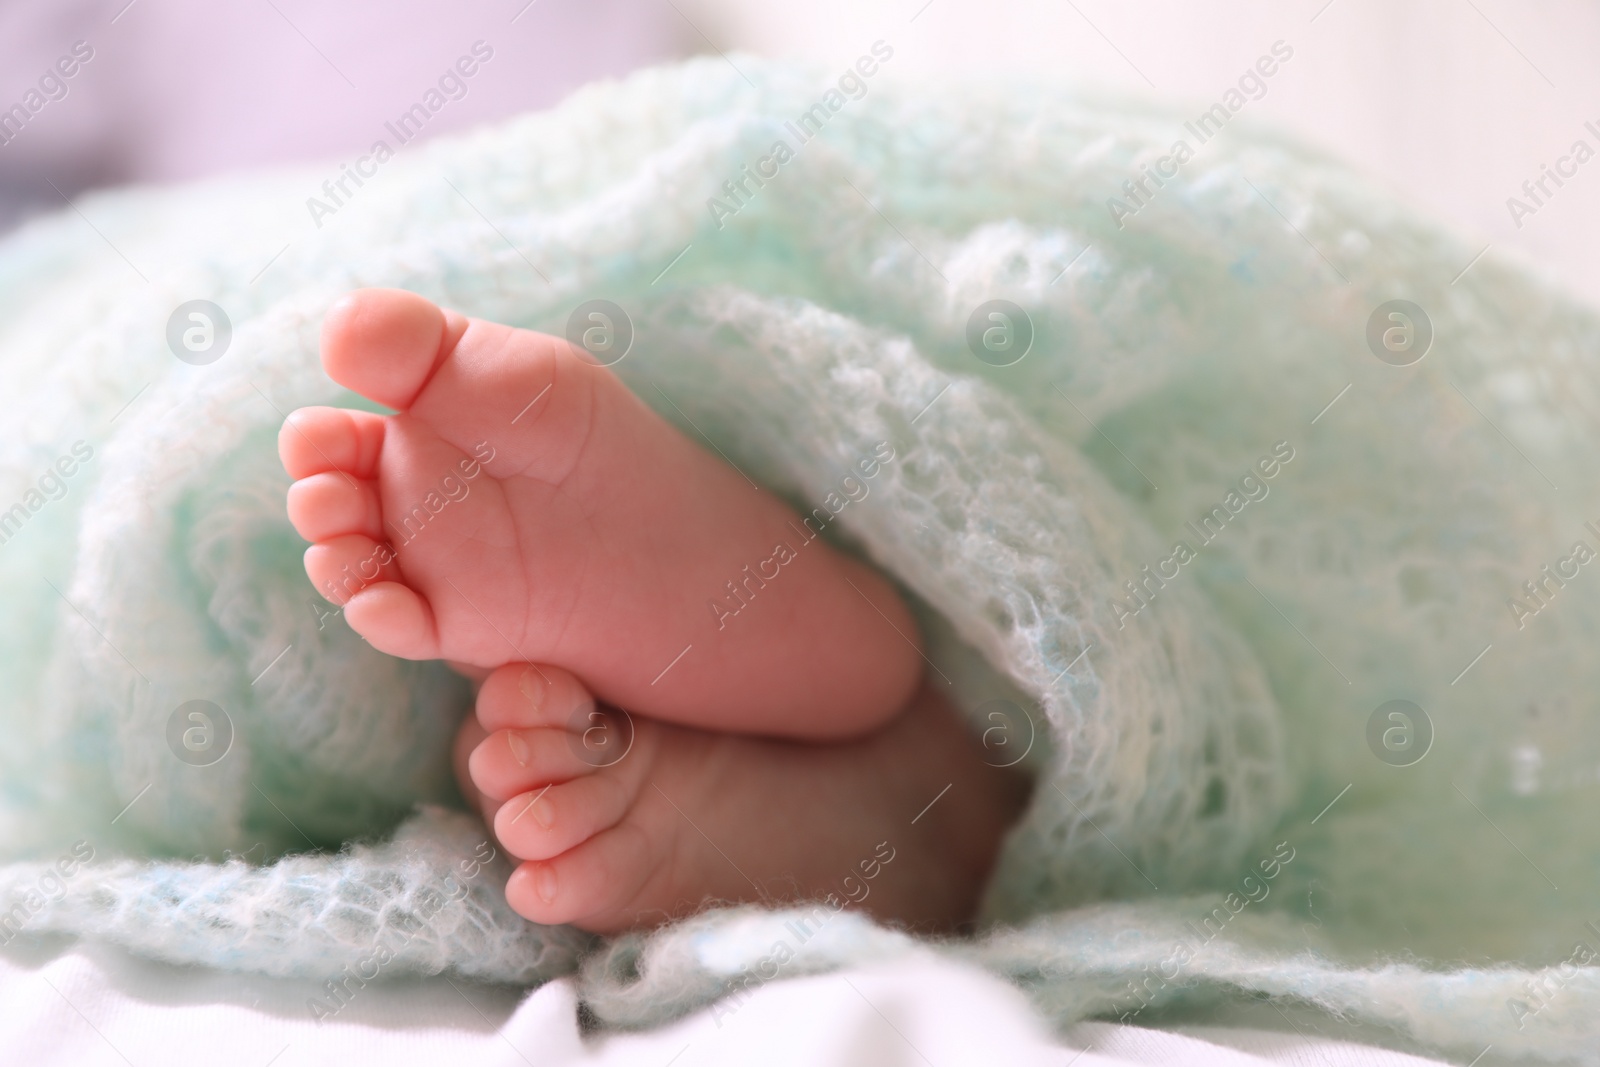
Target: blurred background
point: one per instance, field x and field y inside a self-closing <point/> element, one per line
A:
<point x="1453" y="104"/>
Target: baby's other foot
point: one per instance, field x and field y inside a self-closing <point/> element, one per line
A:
<point x="625" y="824"/>
<point x="524" y="505"/>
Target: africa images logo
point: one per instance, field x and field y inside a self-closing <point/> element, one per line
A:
<point x="851" y="83"/>
<point x="451" y="85"/>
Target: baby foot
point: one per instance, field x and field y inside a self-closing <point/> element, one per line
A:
<point x="524" y="505"/>
<point x="627" y="824"/>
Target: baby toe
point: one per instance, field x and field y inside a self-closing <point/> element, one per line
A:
<point x="509" y="762"/>
<point x="332" y="503"/>
<point x="386" y="343"/>
<point x="544" y="824"/>
<point x="590" y="885"/>
<point x="468" y="738"/>
<point x="344" y="565"/>
<point x="314" y="440"/>
<point x="522" y="695"/>
<point x="394" y="618"/>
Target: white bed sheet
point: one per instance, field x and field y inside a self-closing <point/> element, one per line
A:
<point x="87" y="1006"/>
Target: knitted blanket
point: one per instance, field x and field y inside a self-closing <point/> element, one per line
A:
<point x="1231" y="502"/>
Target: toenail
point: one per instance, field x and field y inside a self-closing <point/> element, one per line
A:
<point x="535" y="686"/>
<point x="518" y="747"/>
<point x="543" y="812"/>
<point x="544" y="883"/>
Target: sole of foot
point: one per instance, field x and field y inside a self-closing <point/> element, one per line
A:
<point x="522" y="504"/>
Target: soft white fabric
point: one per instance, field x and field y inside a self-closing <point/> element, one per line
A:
<point x="97" y="1007"/>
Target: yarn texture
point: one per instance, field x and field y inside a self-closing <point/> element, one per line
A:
<point x="1224" y="807"/>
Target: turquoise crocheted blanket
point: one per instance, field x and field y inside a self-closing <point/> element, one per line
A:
<point x="1230" y="500"/>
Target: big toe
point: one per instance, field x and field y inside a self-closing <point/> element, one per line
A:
<point x="386" y="343"/>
